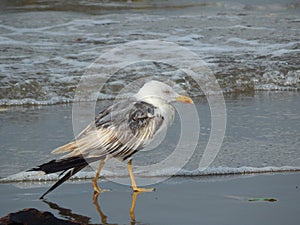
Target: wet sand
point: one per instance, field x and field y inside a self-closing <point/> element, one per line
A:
<point x="180" y="200"/>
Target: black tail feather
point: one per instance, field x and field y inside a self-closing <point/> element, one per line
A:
<point x="68" y="167"/>
<point x="61" y="165"/>
<point x="68" y="174"/>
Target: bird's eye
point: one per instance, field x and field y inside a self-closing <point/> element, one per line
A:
<point x="166" y="92"/>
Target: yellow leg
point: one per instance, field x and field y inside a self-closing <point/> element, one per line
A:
<point x="95" y="185"/>
<point x="133" y="184"/>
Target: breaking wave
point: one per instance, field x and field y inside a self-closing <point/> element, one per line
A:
<point x="44" y="55"/>
<point x="219" y="171"/>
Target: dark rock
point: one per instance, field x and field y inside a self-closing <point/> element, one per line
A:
<point x="33" y="217"/>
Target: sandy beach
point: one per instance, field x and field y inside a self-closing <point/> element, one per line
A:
<point x="242" y="199"/>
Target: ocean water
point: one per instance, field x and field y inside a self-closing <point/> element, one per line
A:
<point x="46" y="47"/>
<point x="252" y="48"/>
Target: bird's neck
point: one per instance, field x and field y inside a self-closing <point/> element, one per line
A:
<point x="163" y="108"/>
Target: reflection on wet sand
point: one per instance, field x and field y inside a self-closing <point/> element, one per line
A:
<point x="68" y="214"/>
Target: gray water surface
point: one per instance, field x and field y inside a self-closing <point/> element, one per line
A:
<point x="262" y="131"/>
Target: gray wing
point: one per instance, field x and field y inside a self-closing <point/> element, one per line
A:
<point x="118" y="131"/>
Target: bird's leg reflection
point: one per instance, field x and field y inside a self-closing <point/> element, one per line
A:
<point x="131" y="212"/>
<point x="132" y="208"/>
<point x="98" y="208"/>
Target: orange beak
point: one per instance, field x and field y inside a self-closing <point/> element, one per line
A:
<point x="184" y="99"/>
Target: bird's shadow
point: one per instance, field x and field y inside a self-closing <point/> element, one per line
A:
<point x="69" y="215"/>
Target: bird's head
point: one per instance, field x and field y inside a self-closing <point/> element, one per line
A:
<point x="156" y="91"/>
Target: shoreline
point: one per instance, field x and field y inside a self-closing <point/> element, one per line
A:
<point x="22" y="177"/>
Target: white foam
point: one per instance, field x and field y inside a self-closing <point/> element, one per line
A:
<point x="40" y="54"/>
<point x="38" y="177"/>
<point x="30" y="101"/>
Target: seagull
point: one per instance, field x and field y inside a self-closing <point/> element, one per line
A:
<point x="119" y="131"/>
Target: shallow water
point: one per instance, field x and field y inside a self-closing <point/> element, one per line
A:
<point x="177" y="201"/>
<point x="261" y="136"/>
<point x="47" y="46"/>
